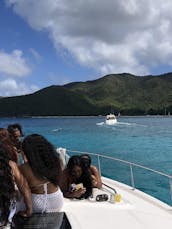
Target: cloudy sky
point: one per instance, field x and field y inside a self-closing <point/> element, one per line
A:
<point x="45" y="42"/>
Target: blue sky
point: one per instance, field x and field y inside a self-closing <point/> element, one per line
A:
<point x="53" y="42"/>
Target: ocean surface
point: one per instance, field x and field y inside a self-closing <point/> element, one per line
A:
<point x="143" y="140"/>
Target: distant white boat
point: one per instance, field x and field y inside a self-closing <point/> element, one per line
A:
<point x="111" y="119"/>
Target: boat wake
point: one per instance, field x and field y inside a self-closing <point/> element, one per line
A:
<point x="130" y="124"/>
<point x="58" y="129"/>
<point x="120" y="124"/>
<point x="100" y="123"/>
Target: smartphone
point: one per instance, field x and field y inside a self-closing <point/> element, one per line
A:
<point x="79" y="186"/>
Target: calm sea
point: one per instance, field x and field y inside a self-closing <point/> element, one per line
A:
<point x="143" y="140"/>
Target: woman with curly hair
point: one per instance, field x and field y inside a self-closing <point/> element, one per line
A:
<point x="8" y="144"/>
<point x="42" y="171"/>
<point x="10" y="177"/>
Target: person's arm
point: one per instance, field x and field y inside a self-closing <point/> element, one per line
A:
<point x="23" y="187"/>
<point x="23" y="156"/>
<point x="96" y="178"/>
<point x="65" y="186"/>
<point x="15" y="156"/>
<point x="74" y="194"/>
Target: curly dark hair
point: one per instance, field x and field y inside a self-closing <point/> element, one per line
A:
<point x="8" y="145"/>
<point x="42" y="158"/>
<point x="7" y="191"/>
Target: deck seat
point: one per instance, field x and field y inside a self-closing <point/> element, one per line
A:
<point x="55" y="220"/>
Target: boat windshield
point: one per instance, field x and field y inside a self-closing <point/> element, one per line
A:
<point x="110" y="118"/>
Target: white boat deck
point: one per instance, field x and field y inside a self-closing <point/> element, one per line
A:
<point x="136" y="210"/>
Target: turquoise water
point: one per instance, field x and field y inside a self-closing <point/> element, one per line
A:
<point x="143" y="140"/>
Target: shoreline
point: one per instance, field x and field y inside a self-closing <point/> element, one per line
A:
<point x="88" y="116"/>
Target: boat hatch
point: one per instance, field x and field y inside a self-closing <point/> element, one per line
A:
<point x="55" y="220"/>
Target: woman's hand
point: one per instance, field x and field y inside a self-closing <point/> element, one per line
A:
<point x="78" y="193"/>
<point x="26" y="213"/>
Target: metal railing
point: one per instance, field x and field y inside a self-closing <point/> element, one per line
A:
<point x="130" y="164"/>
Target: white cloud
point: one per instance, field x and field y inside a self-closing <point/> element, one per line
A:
<point x="13" y="64"/>
<point x="10" y="87"/>
<point x="110" y="36"/>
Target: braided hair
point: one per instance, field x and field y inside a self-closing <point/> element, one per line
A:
<point x="42" y="158"/>
<point x="7" y="189"/>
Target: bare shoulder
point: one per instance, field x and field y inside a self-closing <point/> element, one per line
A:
<point x="15" y="170"/>
<point x="64" y="174"/>
<point x="93" y="169"/>
<point x="24" y="167"/>
<point x="26" y="170"/>
<point x="64" y="179"/>
<point x="13" y="166"/>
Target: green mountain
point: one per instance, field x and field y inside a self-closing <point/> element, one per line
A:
<point x="124" y="93"/>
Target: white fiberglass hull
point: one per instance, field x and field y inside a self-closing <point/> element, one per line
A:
<point x="111" y="119"/>
<point x="136" y="210"/>
<point x="111" y="122"/>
